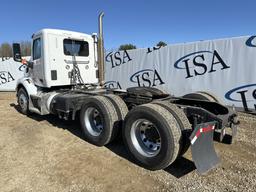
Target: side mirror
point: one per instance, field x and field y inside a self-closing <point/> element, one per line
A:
<point x="16" y="52"/>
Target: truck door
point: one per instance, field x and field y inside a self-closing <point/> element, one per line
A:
<point x="38" y="71"/>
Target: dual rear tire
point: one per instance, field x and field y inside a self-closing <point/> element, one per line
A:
<point x="152" y="136"/>
<point x="152" y="132"/>
<point x="101" y="118"/>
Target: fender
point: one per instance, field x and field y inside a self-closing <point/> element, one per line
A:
<point x="28" y="84"/>
<point x="31" y="89"/>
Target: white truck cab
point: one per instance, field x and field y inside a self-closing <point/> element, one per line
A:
<point x="54" y="52"/>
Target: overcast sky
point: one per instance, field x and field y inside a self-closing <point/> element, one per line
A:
<point x="141" y="22"/>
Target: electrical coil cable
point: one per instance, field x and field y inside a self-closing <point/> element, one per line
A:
<point x="76" y="79"/>
<point x="75" y="74"/>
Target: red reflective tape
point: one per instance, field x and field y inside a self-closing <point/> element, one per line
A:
<point x="196" y="136"/>
<point x="200" y="131"/>
<point x="208" y="128"/>
<point x="193" y="140"/>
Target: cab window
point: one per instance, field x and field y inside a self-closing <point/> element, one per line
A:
<point x="75" y="47"/>
<point x="37" y="49"/>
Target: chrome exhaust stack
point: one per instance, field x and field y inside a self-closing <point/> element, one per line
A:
<point x="101" y="51"/>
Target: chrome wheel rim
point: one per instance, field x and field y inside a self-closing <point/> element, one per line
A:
<point x="145" y="137"/>
<point x="93" y="121"/>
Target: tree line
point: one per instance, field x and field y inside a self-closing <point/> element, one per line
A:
<point x="6" y="49"/>
<point x="131" y="46"/>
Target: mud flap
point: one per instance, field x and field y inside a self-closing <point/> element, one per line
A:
<point x="222" y="134"/>
<point x="203" y="152"/>
<point x="232" y="136"/>
<point x="234" y="131"/>
<point x="233" y="125"/>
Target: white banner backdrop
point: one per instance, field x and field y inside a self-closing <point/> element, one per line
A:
<point x="10" y="72"/>
<point x="224" y="67"/>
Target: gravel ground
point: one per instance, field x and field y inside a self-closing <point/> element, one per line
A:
<point x="47" y="154"/>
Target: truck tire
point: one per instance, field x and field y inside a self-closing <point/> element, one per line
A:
<point x="205" y="96"/>
<point x="119" y="105"/>
<point x="152" y="136"/>
<point x="98" y="118"/>
<point x="121" y="109"/>
<point x="23" y="101"/>
<point x="183" y="122"/>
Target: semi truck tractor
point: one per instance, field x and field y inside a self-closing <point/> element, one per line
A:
<point x="65" y="77"/>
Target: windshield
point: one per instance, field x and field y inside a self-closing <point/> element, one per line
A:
<point x="75" y="47"/>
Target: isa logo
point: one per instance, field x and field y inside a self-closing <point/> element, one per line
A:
<point x="200" y="63"/>
<point x="23" y="67"/>
<point x="245" y="94"/>
<point x="251" y="41"/>
<point x="147" y="78"/>
<point x="112" y="85"/>
<point x="118" y="58"/>
<point x="5" y="77"/>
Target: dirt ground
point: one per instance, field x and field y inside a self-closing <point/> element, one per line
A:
<point x="48" y="154"/>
